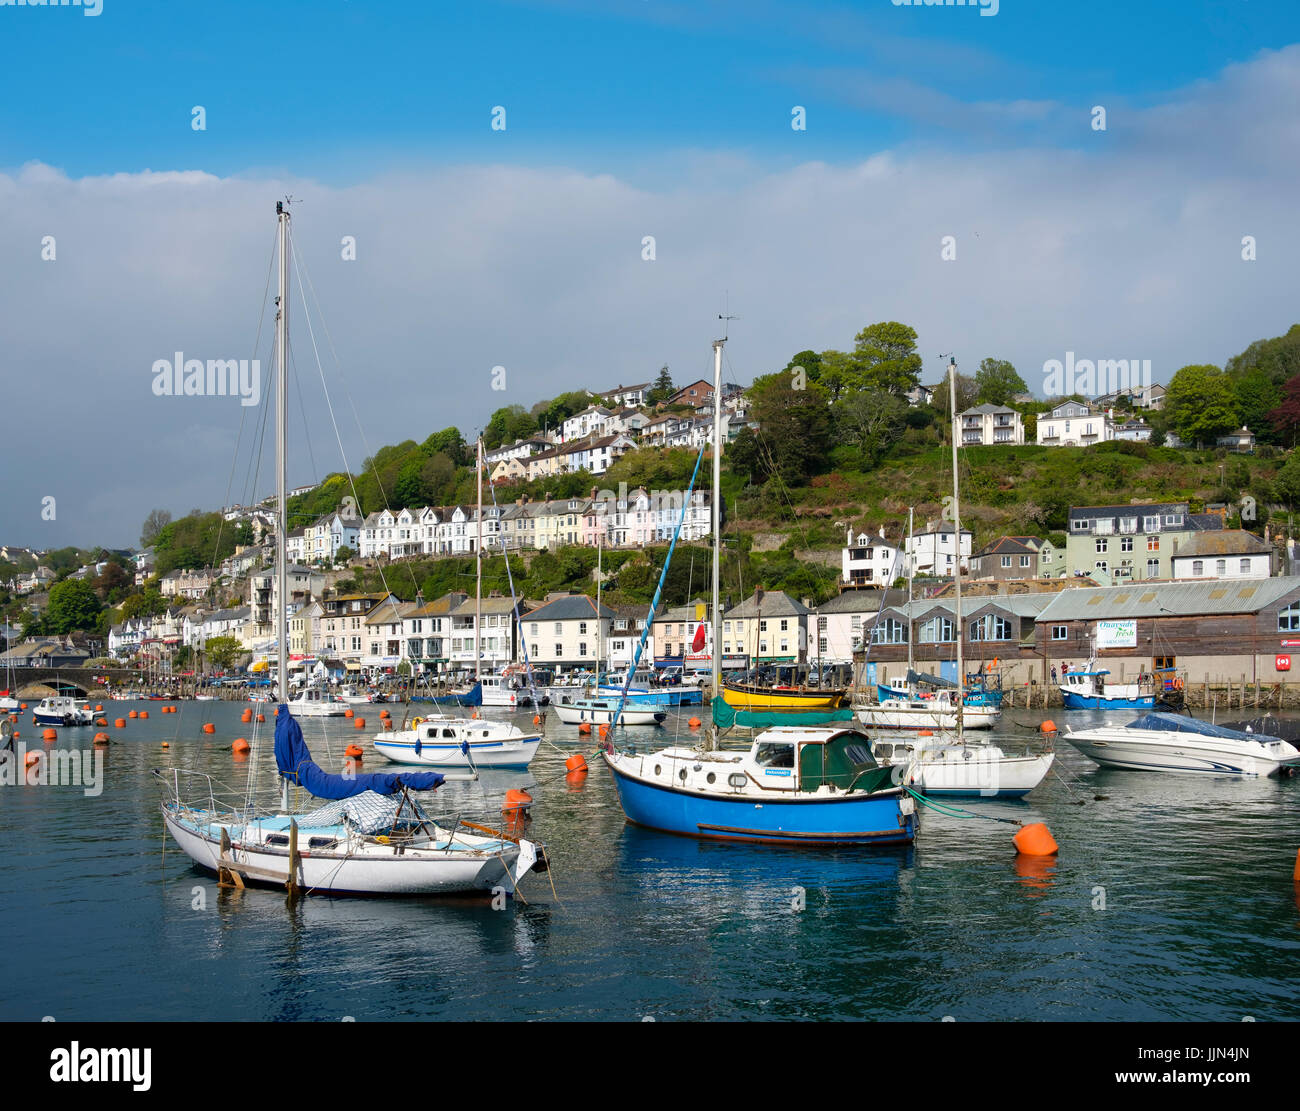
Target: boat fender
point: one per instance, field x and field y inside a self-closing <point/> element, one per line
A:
<point x="416" y="723"/>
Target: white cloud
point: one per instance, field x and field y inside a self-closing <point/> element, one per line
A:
<point x="1127" y="249"/>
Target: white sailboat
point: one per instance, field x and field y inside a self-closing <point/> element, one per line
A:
<point x="943" y="763"/>
<point x="371" y="834"/>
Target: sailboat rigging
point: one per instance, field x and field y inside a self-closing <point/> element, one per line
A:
<point x="370" y="835"/>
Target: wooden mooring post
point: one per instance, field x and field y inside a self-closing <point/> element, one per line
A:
<point x="295" y="862"/>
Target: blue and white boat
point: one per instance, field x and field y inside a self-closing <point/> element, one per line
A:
<point x="1092" y="690"/>
<point x="459" y="743"/>
<point x="467" y="696"/>
<point x="795" y="786"/>
<point x="61" y="711"/>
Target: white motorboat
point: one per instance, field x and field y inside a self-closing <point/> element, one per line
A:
<point x="315" y="702"/>
<point x="9" y="705"/>
<point x="506" y="688"/>
<point x="936" y="712"/>
<point x="459" y="743"/>
<point x="354" y="696"/>
<point x="1166" y="742"/>
<point x="576" y="710"/>
<point x="944" y="766"/>
<point x="61" y="710"/>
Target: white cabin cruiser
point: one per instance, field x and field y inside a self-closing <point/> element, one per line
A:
<point x="316" y="702"/>
<point x="575" y="710"/>
<point x="62" y="711"/>
<point x="936" y="712"/>
<point x="946" y="766"/>
<point x="1167" y="742"/>
<point x="459" y="743"/>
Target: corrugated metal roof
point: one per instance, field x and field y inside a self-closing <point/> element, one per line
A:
<point x="1168" y="599"/>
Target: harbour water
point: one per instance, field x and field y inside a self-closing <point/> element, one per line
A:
<point x="1171" y="899"/>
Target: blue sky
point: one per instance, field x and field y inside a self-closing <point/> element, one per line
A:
<point x="338" y="89"/>
<point x="479" y="248"/>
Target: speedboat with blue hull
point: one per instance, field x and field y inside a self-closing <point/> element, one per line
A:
<point x="795" y="786"/>
<point x="1162" y="742"/>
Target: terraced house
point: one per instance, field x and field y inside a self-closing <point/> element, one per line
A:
<point x="1126" y="543"/>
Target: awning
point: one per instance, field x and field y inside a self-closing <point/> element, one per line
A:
<point x="352" y="665"/>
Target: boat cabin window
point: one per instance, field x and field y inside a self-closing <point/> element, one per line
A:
<point x="858" y="753"/>
<point x="775" y="756"/>
<point x="449" y="732"/>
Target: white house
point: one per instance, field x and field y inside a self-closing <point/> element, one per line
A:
<point x="932" y="551"/>
<point x="1075" y="424"/>
<point x="991" y="424"/>
<point x="1222" y="554"/>
<point x="868" y="560"/>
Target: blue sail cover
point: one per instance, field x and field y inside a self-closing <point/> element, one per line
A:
<point x="293" y="758"/>
<point x="1177" y="723"/>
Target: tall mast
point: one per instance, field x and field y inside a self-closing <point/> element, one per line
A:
<point x="911" y="565"/>
<point x="478" y="568"/>
<point x="599" y="583"/>
<point x="716" y="653"/>
<point x="281" y="473"/>
<point x="956" y="578"/>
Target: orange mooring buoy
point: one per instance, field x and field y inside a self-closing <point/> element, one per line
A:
<point x="1047" y="727"/>
<point x="22" y="705"/>
<point x="584" y="727"/>
<point x="261" y="717"/>
<point x="240" y="745"/>
<point x="144" y="713"/>
<point x="353" y="751"/>
<point x="133" y="714"/>
<point x="101" y="722"/>
<point x="358" y="723"/>
<point x="119" y="723"/>
<point x="516" y="799"/>
<point x="576" y="763"/>
<point x="346" y="713"/>
<point x="1296" y="874"/>
<point x="602" y="730"/>
<point x="537" y="719"/>
<point x="208" y="727"/>
<point x="247" y="715"/>
<point x="49" y="735"/>
<point x="99" y="709"/>
<point x="101" y="738"/>
<point x="1035" y="839"/>
<point x="695" y="723"/>
<point x="166" y="745"/>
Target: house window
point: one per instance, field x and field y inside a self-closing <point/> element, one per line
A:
<point x="785" y="625"/>
<point x="582" y="648"/>
<point x="1220" y="566"/>
<point x="1101" y="565"/>
<point x="1126" y="544"/>
<point x="1006" y="561"/>
<point x="1198" y="567"/>
<point x="559" y="629"/>
<point x="938" y="630"/>
<point x="1245" y="567"/>
<point x="559" y="650"/>
<point x="889" y="631"/>
<point x="1060" y="632"/>
<point x="1101" y="545"/>
<point x="821" y="646"/>
<point x="1288" y="620"/>
<point x="1153" y="568"/>
<point x="1024" y="561"/>
<point x="582" y="628"/>
<point x="1150" y="524"/>
<point x="1153" y="543"/>
<point x="762" y="626"/>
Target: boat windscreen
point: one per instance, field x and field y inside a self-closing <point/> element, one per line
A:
<point x="1179" y="723"/>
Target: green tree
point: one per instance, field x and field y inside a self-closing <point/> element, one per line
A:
<point x="1201" y="404"/>
<point x="794" y="428"/>
<point x="871" y="421"/>
<point x="886" y="358"/>
<point x="997" y="383"/>
<point x="663" y="388"/>
<point x="222" y="652"/>
<point x="73" y="605"/>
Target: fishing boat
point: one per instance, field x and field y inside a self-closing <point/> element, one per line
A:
<point x="1090" y="688"/>
<point x="459" y="743"/>
<point x="795" y="786"/>
<point x="61" y="710"/>
<point x="937" y="711"/>
<point x="371" y="835"/>
<point x="1167" y="742"/>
